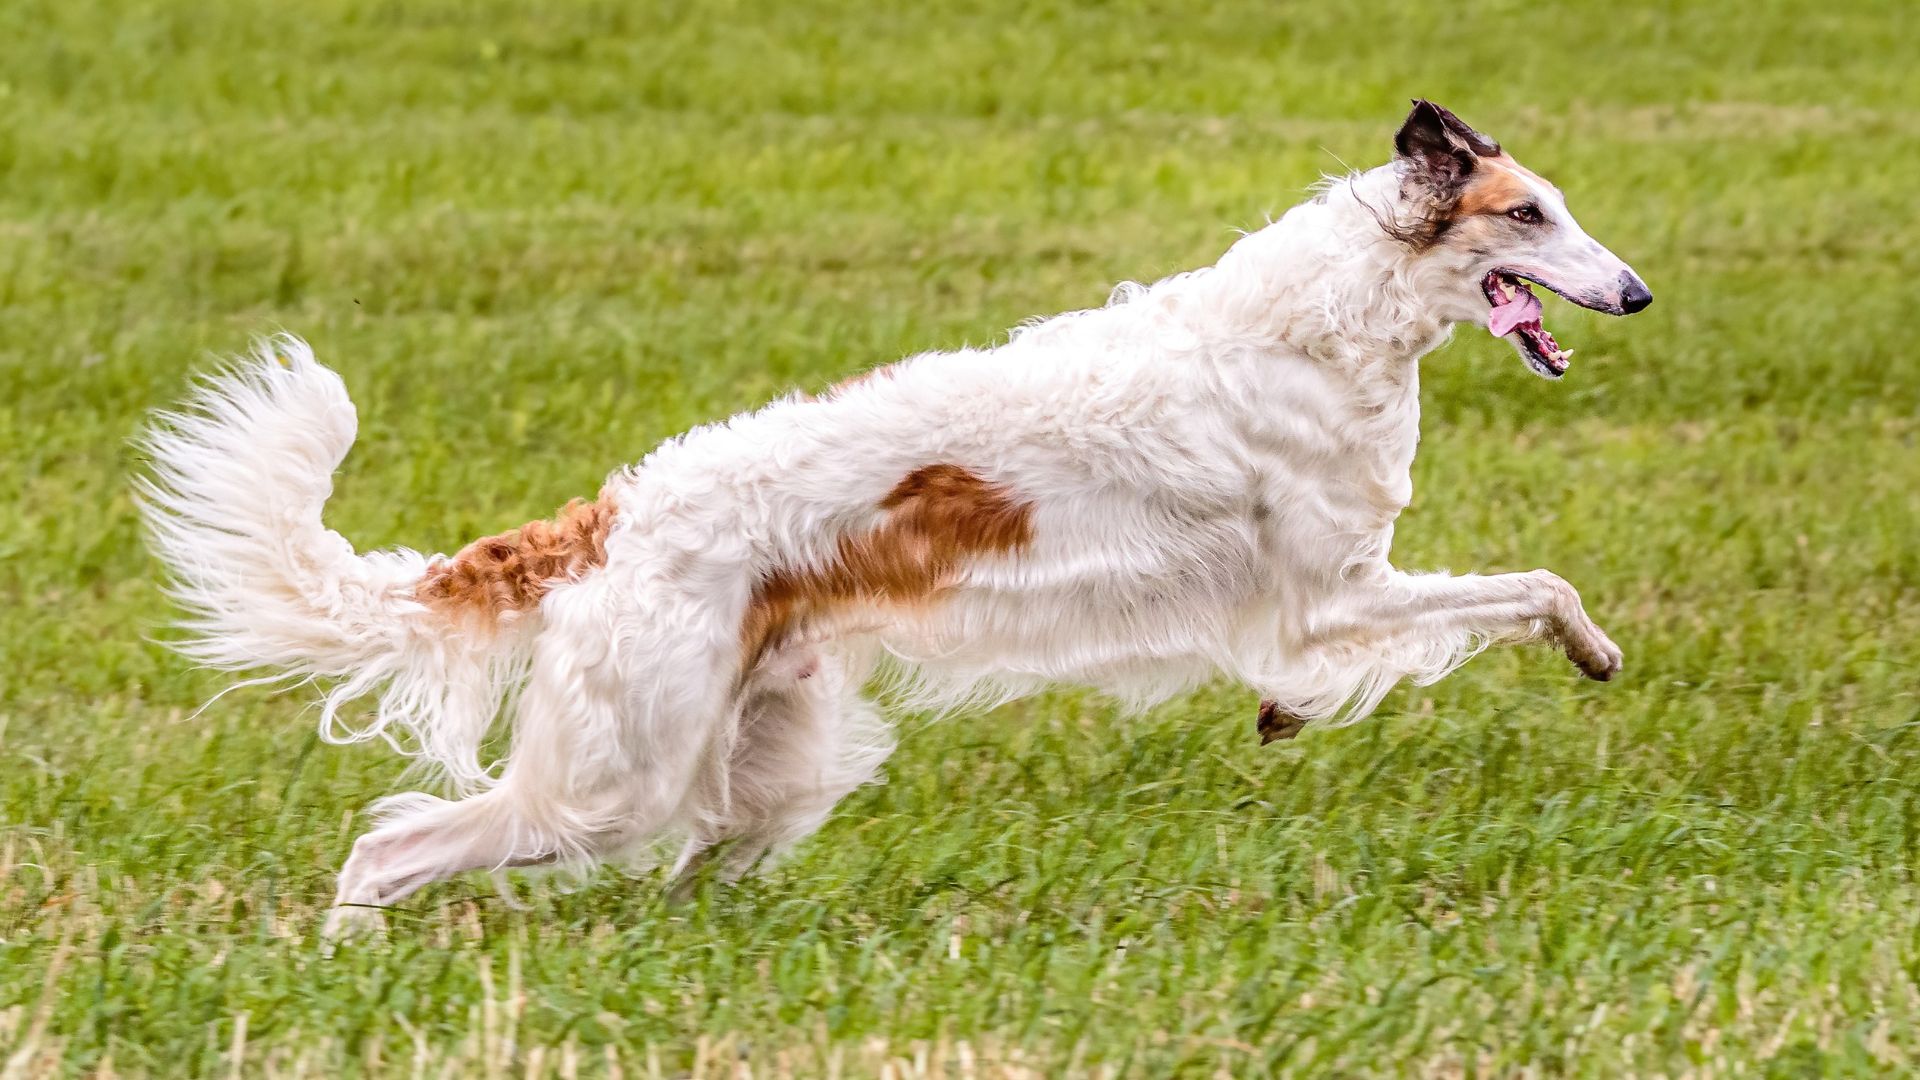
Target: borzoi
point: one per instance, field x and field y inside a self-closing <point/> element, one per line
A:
<point x="1199" y="479"/>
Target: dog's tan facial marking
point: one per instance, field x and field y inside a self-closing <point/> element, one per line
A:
<point x="1497" y="186"/>
<point x="511" y="571"/>
<point x="937" y="519"/>
<point x="1453" y="176"/>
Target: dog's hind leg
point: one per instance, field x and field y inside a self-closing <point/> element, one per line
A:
<point x="598" y="760"/>
<point x="422" y="839"/>
<point x="806" y="738"/>
<point x="543" y="809"/>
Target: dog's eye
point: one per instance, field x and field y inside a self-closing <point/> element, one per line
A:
<point x="1526" y="215"/>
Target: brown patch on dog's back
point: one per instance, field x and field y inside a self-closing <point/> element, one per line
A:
<point x="937" y="519"/>
<point x="512" y="570"/>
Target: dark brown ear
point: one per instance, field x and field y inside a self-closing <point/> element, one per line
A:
<point x="1441" y="147"/>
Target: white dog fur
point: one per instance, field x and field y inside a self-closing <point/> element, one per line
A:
<point x="1198" y="480"/>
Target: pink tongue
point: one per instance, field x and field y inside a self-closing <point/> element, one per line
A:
<point x="1524" y="307"/>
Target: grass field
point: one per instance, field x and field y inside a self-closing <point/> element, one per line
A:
<point x="535" y="239"/>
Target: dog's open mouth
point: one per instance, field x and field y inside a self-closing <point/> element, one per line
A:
<point x="1516" y="316"/>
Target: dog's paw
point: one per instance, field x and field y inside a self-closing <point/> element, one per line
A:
<point x="351" y="922"/>
<point x="1594" y="653"/>
<point x="1275" y="723"/>
<point x="1567" y="624"/>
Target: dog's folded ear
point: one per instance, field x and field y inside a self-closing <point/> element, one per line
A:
<point x="1441" y="148"/>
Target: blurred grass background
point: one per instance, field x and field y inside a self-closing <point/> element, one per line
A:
<point x="536" y="239"/>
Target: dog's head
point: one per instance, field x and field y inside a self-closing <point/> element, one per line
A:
<point x="1482" y="226"/>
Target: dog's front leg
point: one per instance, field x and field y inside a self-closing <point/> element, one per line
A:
<point x="1502" y="608"/>
<point x="1422" y="624"/>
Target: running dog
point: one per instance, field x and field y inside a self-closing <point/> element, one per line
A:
<point x="1199" y="479"/>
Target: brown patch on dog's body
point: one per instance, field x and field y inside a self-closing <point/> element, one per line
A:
<point x="938" y="518"/>
<point x="511" y="571"/>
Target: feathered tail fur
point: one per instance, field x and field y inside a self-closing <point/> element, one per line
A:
<point x="233" y="503"/>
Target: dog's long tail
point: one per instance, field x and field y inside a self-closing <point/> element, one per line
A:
<point x="232" y="505"/>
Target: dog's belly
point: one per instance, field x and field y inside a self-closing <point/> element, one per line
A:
<point x="1139" y="613"/>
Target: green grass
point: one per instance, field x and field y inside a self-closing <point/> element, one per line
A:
<point x="538" y="238"/>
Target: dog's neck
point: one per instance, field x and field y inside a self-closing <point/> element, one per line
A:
<point x="1326" y="282"/>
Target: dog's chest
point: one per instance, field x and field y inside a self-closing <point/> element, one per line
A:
<point x="1333" y="491"/>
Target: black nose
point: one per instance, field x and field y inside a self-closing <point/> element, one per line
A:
<point x="1633" y="294"/>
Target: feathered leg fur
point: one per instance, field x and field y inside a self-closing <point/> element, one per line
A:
<point x="804" y="738"/>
